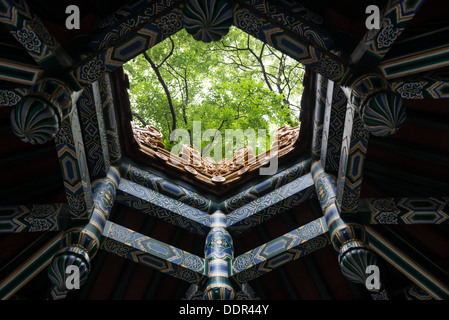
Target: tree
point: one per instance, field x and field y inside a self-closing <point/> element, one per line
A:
<point x="235" y="83"/>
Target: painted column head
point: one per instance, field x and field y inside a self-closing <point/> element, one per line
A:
<point x="383" y="114"/>
<point x="69" y="268"/>
<point x="381" y="109"/>
<point x="36" y="118"/>
<point x="207" y="21"/>
<point x="357" y="262"/>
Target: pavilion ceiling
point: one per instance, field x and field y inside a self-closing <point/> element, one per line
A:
<point x="414" y="162"/>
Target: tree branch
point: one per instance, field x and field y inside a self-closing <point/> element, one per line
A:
<point x="169" y="54"/>
<point x="164" y="85"/>
<point x="135" y="114"/>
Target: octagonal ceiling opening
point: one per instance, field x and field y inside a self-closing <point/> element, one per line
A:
<point x="219" y="97"/>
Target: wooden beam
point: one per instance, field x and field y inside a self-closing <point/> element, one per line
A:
<point x="34" y="218"/>
<point x="413" y="210"/>
<point x="333" y="128"/>
<point x="408" y="260"/>
<point x="35" y="258"/>
<point x="280" y="272"/>
<point x="74" y="168"/>
<point x="321" y="93"/>
<point x="347" y="234"/>
<point x="377" y="43"/>
<point x="352" y="157"/>
<point x="293" y="20"/>
<point x="311" y="266"/>
<point x="275" y="202"/>
<point x="90" y="112"/>
<point x="157" y="279"/>
<point x="414" y="63"/>
<point x="110" y="120"/>
<point x="19" y="72"/>
<point x="408" y="58"/>
<point x="153" y="203"/>
<point x="153" y="253"/>
<point x="128" y="19"/>
<point x="29" y="31"/>
<point x="123" y="49"/>
<point x="154" y="182"/>
<point x="270" y="184"/>
<point x="427" y="85"/>
<point x="277" y="252"/>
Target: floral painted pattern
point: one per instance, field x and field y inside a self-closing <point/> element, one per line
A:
<point x="413" y="90"/>
<point x="8" y="98"/>
<point x="387" y="218"/>
<point x="249" y="22"/>
<point x="29" y="40"/>
<point x="244" y="261"/>
<point x="170" y="24"/>
<point x="387" y="36"/>
<point x="328" y="68"/>
<point x="93" y="70"/>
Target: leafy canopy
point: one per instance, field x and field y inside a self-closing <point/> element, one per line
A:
<point x="235" y="83"/>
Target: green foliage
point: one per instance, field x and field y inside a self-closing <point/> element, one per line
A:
<point x="236" y="83"/>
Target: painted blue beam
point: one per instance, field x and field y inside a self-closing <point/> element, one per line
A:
<point x="277" y="201"/>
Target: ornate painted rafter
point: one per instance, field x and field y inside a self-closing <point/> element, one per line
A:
<point x="33" y="218"/>
<point x="74" y="168"/>
<point x="153" y="253"/>
<point x="153" y="203"/>
<point x="20" y="73"/>
<point x="326" y="64"/>
<point x="32" y="34"/>
<point x="428" y="85"/>
<point x="352" y="157"/>
<point x="276" y="181"/>
<point x="413" y="210"/>
<point x="167" y="188"/>
<point x="295" y="20"/>
<point x="277" y="201"/>
<point x="28" y="264"/>
<point x="277" y="252"/>
<point x="321" y="93"/>
<point x="110" y="121"/>
<point x="125" y="48"/>
<point x="129" y="19"/>
<point x="414" y="59"/>
<point x="90" y="112"/>
<point x="408" y="260"/>
<point x="10" y="97"/>
<point x="377" y="42"/>
<point x="333" y="129"/>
